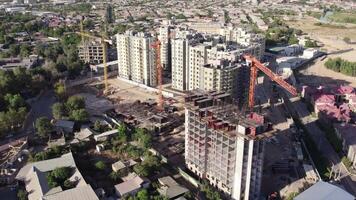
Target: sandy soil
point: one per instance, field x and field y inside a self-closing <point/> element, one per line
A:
<point x="332" y="38"/>
<point x="127" y="93"/>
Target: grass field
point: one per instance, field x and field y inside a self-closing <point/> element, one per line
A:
<point x="344" y="17"/>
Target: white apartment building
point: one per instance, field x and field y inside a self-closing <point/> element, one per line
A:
<point x="220" y="145"/>
<point x="164" y="38"/>
<point x="254" y="44"/>
<point x="191" y="51"/>
<point x="179" y="64"/>
<point x="223" y="75"/>
<point x="137" y="58"/>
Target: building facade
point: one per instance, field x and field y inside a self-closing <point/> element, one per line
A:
<point x="137" y="58"/>
<point x="193" y="52"/>
<point x="220" y="145"/>
<point x="91" y="51"/>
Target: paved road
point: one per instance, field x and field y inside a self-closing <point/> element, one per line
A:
<point x="41" y="107"/>
<point x="322" y="143"/>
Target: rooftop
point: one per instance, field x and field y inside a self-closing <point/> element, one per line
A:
<point x="34" y="176"/>
<point x="130" y="185"/>
<point x="324" y="191"/>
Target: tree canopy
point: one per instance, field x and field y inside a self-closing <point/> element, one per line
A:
<point x="43" y="127"/>
<point x="342" y="66"/>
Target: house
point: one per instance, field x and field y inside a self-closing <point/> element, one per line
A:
<point x="83" y="134"/>
<point x="131" y="186"/>
<point x="332" y="103"/>
<point x="34" y="177"/>
<point x="106" y="135"/>
<point x="170" y="188"/>
<point x="64" y="126"/>
<point x="119" y="165"/>
<point x="347" y="134"/>
<point x="324" y="191"/>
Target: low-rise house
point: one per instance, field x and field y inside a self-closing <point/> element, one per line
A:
<point x="347" y="133"/>
<point x="11" y="63"/>
<point x="120" y="165"/>
<point x="170" y="188"/>
<point x="106" y="135"/>
<point x="36" y="183"/>
<point x="131" y="186"/>
<point x="83" y="134"/>
<point x="64" y="126"/>
<point x="332" y="103"/>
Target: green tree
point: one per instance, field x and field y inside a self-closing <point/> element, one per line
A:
<point x="22" y="194"/>
<point x="58" y="110"/>
<point x="25" y="50"/>
<point x="80" y="115"/>
<point x="60" y="91"/>
<point x="43" y="126"/>
<point x="61" y="173"/>
<point x="68" y="184"/>
<point x="122" y="135"/>
<point x="293" y="40"/>
<point x="58" y="177"/>
<point x="14" y="101"/>
<point x="142" y="137"/>
<point x="143" y="195"/>
<point x="75" y="103"/>
<point x="97" y="126"/>
<point x="209" y="192"/>
<point x="14" y="50"/>
<point x="115" y="176"/>
<point x="100" y="165"/>
<point x="310" y="44"/>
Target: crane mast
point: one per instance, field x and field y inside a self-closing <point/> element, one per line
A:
<point x="257" y="65"/>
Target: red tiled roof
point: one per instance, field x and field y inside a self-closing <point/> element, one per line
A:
<point x="344" y="89"/>
<point x="324" y="99"/>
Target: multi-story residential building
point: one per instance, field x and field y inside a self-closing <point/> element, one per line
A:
<point x="136" y="58"/>
<point x="223" y="147"/>
<point x="165" y="39"/>
<point x="253" y="44"/>
<point x="225" y="75"/>
<point x="179" y="64"/>
<point x="91" y="51"/>
<point x="191" y="54"/>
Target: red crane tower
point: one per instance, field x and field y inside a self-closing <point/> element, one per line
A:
<point x="157" y="46"/>
<point x="255" y="66"/>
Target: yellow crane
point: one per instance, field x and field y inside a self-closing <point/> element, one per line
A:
<point x="103" y="42"/>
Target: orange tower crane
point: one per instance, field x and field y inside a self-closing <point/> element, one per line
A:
<point x="157" y="46"/>
<point x="257" y="65"/>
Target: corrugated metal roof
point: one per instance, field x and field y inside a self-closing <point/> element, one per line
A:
<point x="324" y="191"/>
<point x="82" y="193"/>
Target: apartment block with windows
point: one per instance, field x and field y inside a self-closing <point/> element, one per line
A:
<point x="223" y="146"/>
<point x="137" y="58"/>
<point x="192" y="52"/>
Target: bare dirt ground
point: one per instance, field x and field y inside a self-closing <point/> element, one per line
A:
<point x="128" y="93"/>
<point x="332" y="38"/>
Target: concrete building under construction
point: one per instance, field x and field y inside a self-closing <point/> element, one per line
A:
<point x="91" y="51"/>
<point x="224" y="146"/>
